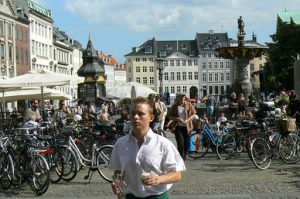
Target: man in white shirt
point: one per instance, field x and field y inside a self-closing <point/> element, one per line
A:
<point x="149" y="163"/>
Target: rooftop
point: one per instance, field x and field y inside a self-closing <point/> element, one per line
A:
<point x="287" y="16"/>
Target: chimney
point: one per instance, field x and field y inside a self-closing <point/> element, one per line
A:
<point x="134" y="49"/>
<point x="211" y="31"/>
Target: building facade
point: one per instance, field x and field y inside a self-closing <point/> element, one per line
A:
<point x="115" y="72"/>
<point x="9" y="23"/>
<point x="189" y="66"/>
<point x="215" y="73"/>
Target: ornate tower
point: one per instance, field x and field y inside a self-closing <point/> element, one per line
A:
<point x="93" y="71"/>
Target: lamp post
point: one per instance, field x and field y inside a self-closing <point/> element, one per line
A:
<point x="160" y="68"/>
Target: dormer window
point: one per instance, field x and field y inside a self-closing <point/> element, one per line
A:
<point x="183" y="47"/>
<point x="168" y="47"/>
<point x="162" y="53"/>
<point x="148" y="49"/>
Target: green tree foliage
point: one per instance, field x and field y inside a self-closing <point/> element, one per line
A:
<point x="282" y="55"/>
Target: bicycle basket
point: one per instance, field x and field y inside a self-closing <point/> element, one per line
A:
<point x="287" y="125"/>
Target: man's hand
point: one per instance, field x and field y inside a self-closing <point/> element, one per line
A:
<point x="151" y="180"/>
<point x="115" y="188"/>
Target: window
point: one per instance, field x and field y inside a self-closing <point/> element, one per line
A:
<point x="183" y="75"/>
<point x="2" y="27"/>
<point x="183" y="62"/>
<point x="129" y="60"/>
<point x="189" y="62"/>
<point x="167" y="89"/>
<point x="10" y="29"/>
<point x="148" y="49"/>
<point x="216" y="77"/>
<point x="204" y="77"/>
<point x="178" y="89"/>
<point x="222" y="90"/>
<point x="209" y="54"/>
<point x="10" y="53"/>
<point x="138" y="80"/>
<point x="195" y="62"/>
<point x="177" y="62"/>
<point x="227" y="76"/>
<point x="26" y="57"/>
<point x="151" y="59"/>
<point x="144" y="59"/>
<point x="184" y="89"/>
<point x="222" y="77"/>
<point x="209" y="65"/>
<point x="2" y="51"/>
<point x="137" y="59"/>
<point x="17" y="55"/>
<point x="138" y="69"/>
<point x="210" y="77"/>
<point x="21" y="56"/>
<point x="171" y="62"/>
<point x="145" y="80"/>
<point x="210" y="90"/>
<point x="196" y="75"/>
<point x="204" y="65"/>
<point x="165" y="63"/>
<point x="166" y="76"/>
<point x="227" y="65"/>
<point x="151" y="80"/>
<point x="215" y="64"/>
<point x="190" y="74"/>
<point x="17" y="32"/>
<point x="144" y="69"/>
<point x="216" y="90"/>
<point x="172" y="76"/>
<point x="151" y="69"/>
<point x="221" y="64"/>
<point x="172" y="89"/>
<point x="178" y="75"/>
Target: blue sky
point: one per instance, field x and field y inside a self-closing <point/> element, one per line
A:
<point x="115" y="26"/>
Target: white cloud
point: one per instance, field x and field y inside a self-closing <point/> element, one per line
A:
<point x="160" y="15"/>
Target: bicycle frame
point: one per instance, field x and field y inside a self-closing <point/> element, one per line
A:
<point x="208" y="131"/>
<point x="85" y="162"/>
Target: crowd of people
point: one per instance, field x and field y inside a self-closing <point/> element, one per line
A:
<point x="149" y="163"/>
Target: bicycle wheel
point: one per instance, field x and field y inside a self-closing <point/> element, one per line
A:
<point x="103" y="157"/>
<point x="38" y="177"/>
<point x="261" y="153"/>
<point x="288" y="149"/>
<point x="56" y="166"/>
<point x="202" y="144"/>
<point x="70" y="164"/>
<point x="6" y="171"/>
<point x="226" y="146"/>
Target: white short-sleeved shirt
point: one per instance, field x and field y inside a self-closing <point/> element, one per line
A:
<point x="157" y="155"/>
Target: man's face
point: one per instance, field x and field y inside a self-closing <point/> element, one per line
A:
<point x="181" y="100"/>
<point x="140" y="117"/>
<point x="35" y="104"/>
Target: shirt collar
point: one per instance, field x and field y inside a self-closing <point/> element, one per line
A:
<point x="150" y="134"/>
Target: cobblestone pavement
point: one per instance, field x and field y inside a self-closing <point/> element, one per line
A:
<point x="204" y="178"/>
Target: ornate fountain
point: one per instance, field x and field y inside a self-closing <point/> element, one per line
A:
<point x="242" y="53"/>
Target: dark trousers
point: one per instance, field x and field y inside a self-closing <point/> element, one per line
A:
<point x="160" y="196"/>
<point x="182" y="139"/>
